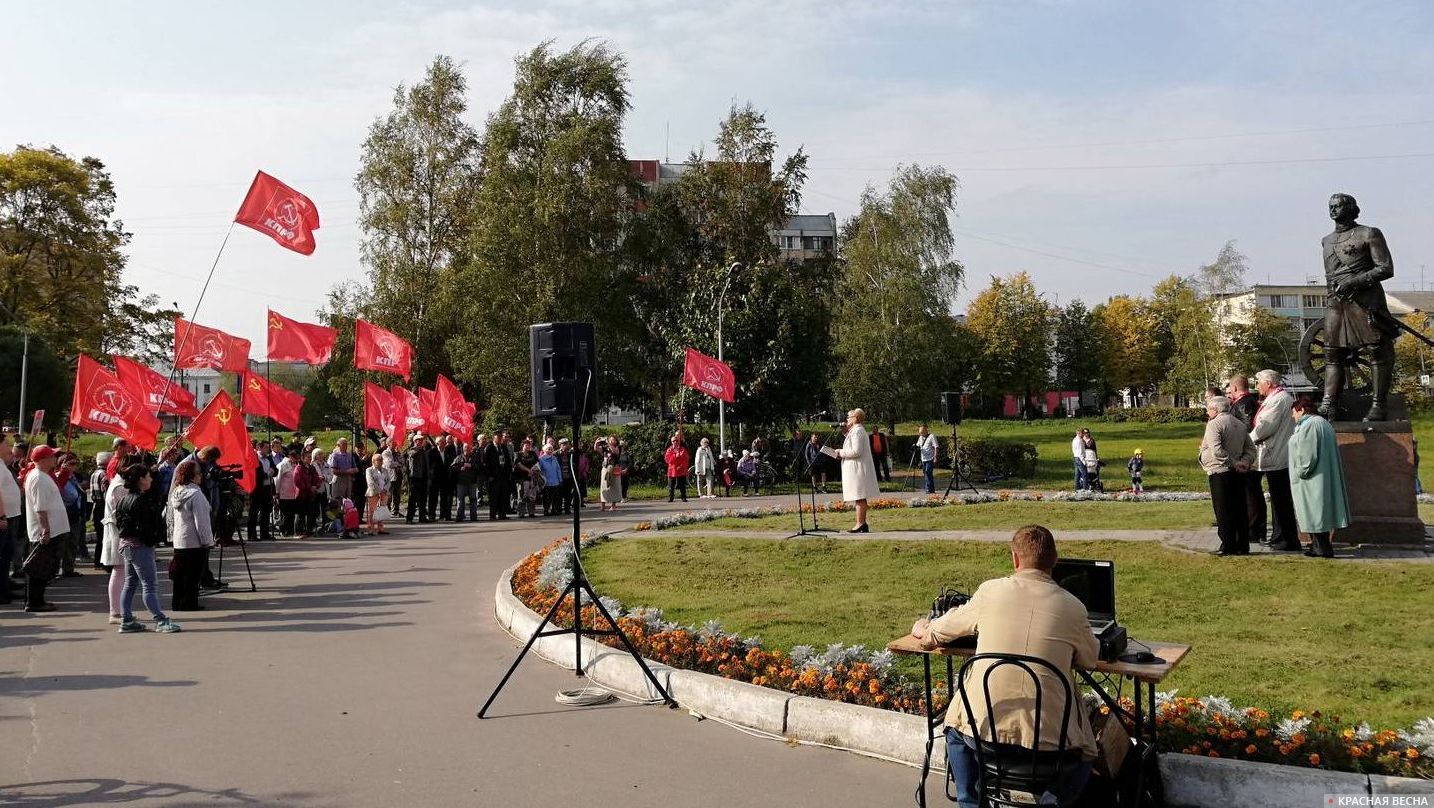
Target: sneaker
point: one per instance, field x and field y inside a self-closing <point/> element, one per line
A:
<point x="115" y="620"/>
<point x="166" y="626"/>
<point x="131" y="626"/>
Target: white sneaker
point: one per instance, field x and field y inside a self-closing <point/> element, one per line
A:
<point x="115" y="620"/>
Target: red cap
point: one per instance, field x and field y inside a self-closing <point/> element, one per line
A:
<point x="41" y="452"/>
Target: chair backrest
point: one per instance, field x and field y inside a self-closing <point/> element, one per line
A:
<point x="1008" y="770"/>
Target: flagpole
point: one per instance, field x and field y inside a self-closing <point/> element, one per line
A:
<point x="179" y="349"/>
<point x="268" y="422"/>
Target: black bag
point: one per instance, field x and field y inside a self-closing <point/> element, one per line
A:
<point x="43" y="562"/>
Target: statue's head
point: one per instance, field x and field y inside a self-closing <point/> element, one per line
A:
<point x="1343" y="208"/>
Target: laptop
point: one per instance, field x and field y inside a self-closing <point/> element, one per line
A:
<point x="1093" y="583"/>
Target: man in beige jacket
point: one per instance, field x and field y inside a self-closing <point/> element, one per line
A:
<point x="1226" y="453"/>
<point x="1024" y="613"/>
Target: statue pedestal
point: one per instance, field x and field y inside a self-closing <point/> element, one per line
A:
<point x="1379" y="474"/>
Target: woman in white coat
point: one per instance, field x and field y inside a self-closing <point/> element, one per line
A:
<point x="110" y="555"/>
<point x="858" y="471"/>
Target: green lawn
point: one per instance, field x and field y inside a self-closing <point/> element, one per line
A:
<point x="994" y="515"/>
<point x="1281" y="632"/>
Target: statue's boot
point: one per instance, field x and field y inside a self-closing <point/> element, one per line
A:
<point x="1333" y="385"/>
<point x="1382" y="374"/>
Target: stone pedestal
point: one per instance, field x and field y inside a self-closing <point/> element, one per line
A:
<point x="1379" y="472"/>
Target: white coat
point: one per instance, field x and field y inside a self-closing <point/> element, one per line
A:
<point x="110" y="550"/>
<point x="1272" y="431"/>
<point x="858" y="470"/>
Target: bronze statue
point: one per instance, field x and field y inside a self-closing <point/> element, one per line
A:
<point x="1356" y="259"/>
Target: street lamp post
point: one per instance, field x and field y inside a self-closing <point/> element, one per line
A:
<point x="721" y="404"/>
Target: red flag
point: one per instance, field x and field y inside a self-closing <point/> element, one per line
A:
<point x="103" y="404"/>
<point x="407" y="404"/>
<point x="221" y="425"/>
<point x="159" y="392"/>
<point x="452" y="410"/>
<point x="281" y="213"/>
<point x="381" y="412"/>
<point x="702" y="372"/>
<point x="294" y="341"/>
<point x="199" y="346"/>
<point x="378" y="348"/>
<point x="428" y="405"/>
<point x="265" y="399"/>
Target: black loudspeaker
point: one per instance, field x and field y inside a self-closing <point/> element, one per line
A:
<point x="564" y="369"/>
<point x="951" y="408"/>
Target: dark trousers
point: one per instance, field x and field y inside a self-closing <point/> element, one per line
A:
<point x="19" y="542"/>
<point x="883" y="466"/>
<point x="626" y="482"/>
<point x="418" y="499"/>
<point x="552" y="499"/>
<point x="261" y="513"/>
<point x="674" y="484"/>
<point x="446" y="500"/>
<point x="35" y="587"/>
<point x="288" y="510"/>
<point x="206" y="575"/>
<point x="188" y="569"/>
<point x="7" y="549"/>
<point x="1284" y="532"/>
<point x="1227" y="497"/>
<point x="498" y="496"/>
<point x="435" y="494"/>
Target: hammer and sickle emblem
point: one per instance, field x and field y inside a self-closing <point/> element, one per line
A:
<point x="223" y="415"/>
<point x="287" y="213"/>
<point x="254" y="384"/>
<point x="275" y="323"/>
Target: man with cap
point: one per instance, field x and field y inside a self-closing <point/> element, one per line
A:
<point x="46" y="521"/>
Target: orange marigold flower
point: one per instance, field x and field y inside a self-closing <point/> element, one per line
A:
<point x="1297" y="714"/>
<point x="1261" y="732"/>
<point x="1213" y="753"/>
<point x="1314" y="759"/>
<point x="1250" y="750"/>
<point x="1411" y="753"/>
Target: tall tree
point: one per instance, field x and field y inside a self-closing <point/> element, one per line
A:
<point x="60" y="251"/>
<point x="1128" y="330"/>
<point x="1261" y="340"/>
<point x="721" y="211"/>
<point x="1413" y="363"/>
<point x="1186" y="325"/>
<point x="418" y="175"/>
<point x="551" y="215"/>
<point x="892" y="323"/>
<point x="1078" y="357"/>
<point x="1012" y="323"/>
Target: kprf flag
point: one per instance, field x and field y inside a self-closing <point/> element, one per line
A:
<point x="293" y="341"/>
<point x="702" y="372"/>
<point x="455" y="416"/>
<point x="281" y="213"/>
<point x="199" y="346"/>
<point x="222" y="425"/>
<point x="428" y="405"/>
<point x="105" y="405"/>
<point x="378" y="348"/>
<point x="409" y="407"/>
<point x="161" y="394"/>
<point x="264" y="399"/>
<point x="380" y="412"/>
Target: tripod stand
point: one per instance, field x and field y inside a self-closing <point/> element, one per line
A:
<point x="802" y="529"/>
<point x="579" y="588"/>
<point x="956" y="473"/>
<point x="219" y="575"/>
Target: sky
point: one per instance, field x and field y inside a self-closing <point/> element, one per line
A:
<point x="1100" y="145"/>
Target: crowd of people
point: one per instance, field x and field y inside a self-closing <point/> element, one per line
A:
<point x="1270" y="439"/>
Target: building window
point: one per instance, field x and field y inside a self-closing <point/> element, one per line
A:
<point x="206" y="388"/>
<point x="1281" y="301"/>
<point x="1314" y="301"/>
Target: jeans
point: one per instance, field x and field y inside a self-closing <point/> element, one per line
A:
<point x="928" y="472"/>
<point x="139" y="572"/>
<point x="1080" y="480"/>
<point x="961" y="757"/>
<point x="467" y="492"/>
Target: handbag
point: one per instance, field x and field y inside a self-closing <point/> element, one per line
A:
<point x="43" y="562"/>
<point x="173" y="566"/>
<point x="381" y="513"/>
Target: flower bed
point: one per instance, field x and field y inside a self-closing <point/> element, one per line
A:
<point x="925" y="501"/>
<point x="1209" y="726"/>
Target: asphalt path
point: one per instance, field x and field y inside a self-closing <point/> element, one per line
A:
<point x="351" y="678"/>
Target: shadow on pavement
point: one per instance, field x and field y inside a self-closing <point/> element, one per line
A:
<point x="25" y="686"/>
<point x="105" y="791"/>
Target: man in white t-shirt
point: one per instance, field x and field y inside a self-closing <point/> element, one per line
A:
<point x="1078" y="454"/>
<point x="12" y="524"/>
<point x="926" y="444"/>
<point x="46" y="519"/>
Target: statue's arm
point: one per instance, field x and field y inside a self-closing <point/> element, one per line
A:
<point x="1379" y="253"/>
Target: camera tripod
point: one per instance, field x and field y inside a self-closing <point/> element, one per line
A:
<point x="579" y="588"/>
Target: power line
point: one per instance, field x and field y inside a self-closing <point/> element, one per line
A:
<point x="1142" y="166"/>
<point x="1098" y="265"/>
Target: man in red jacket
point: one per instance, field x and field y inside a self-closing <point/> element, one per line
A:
<point x="677" y="463"/>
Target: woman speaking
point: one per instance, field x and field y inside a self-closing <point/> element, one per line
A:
<point x="858" y="472"/>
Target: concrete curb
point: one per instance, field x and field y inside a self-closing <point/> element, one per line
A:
<point x="1190" y="780"/>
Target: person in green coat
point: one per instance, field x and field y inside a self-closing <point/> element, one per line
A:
<point x="1317" y="478"/>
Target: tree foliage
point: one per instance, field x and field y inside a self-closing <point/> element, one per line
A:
<point x="48" y="385"/>
<point x="1012" y="325"/>
<point x="1129" y="351"/>
<point x="1078" y="359"/>
<point x="1261" y="340"/>
<point x="893" y="329"/>
<point x="1194" y="356"/>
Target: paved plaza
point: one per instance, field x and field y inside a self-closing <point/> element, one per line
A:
<point x="351" y="678"/>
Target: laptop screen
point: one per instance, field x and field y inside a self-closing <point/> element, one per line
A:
<point x="1092" y="582"/>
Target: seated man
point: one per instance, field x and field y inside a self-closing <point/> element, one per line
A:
<point x="1025" y="613"/>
